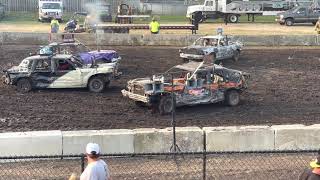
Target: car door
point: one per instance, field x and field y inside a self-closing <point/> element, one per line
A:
<point x="301" y="15"/>
<point x="222" y="50"/>
<point x="67" y="75"/>
<point x="42" y="76"/>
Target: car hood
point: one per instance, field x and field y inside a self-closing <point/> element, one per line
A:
<point x="140" y="81"/>
<point x="108" y="56"/>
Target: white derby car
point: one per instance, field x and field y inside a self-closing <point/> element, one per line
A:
<point x="219" y="47"/>
<point x="59" y="71"/>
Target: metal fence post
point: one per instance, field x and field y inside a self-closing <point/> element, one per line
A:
<point x="82" y="162"/>
<point x="204" y="163"/>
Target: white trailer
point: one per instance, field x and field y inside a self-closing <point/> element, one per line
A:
<point x="232" y="10"/>
<point x="49" y="9"/>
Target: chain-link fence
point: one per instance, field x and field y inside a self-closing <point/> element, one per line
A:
<point x="186" y="166"/>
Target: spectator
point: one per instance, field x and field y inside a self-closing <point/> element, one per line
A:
<point x="154" y="26"/>
<point x="96" y="169"/>
<point x="54" y="25"/>
<point x="317" y="27"/>
<point x="314" y="172"/>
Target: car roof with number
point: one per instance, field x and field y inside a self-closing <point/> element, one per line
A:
<point x="56" y="56"/>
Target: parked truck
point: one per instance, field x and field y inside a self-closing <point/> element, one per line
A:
<point x="232" y="10"/>
<point x="49" y="9"/>
<point x="299" y="14"/>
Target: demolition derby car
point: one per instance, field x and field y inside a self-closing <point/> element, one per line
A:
<point x="192" y="83"/>
<point x="217" y="47"/>
<point x="83" y="53"/>
<point x="59" y="71"/>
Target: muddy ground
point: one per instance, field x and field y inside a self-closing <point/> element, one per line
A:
<point x="284" y="89"/>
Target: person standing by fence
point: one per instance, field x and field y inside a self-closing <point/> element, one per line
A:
<point x="314" y="172"/>
<point x="154" y="26"/>
<point x="54" y="25"/>
<point x="317" y="26"/>
<point x="96" y="169"/>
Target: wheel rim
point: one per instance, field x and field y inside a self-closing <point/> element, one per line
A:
<point x="233" y="18"/>
<point x="234" y="98"/>
<point x="167" y="105"/>
<point x="289" y="23"/>
<point x="96" y="85"/>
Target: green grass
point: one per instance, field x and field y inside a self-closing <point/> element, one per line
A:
<point x="31" y="18"/>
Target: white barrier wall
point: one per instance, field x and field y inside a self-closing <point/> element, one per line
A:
<point x="160" y="140"/>
<point x="247" y="138"/>
<point x="31" y="143"/>
<point x="297" y="137"/>
<point x="191" y="139"/>
<point x="110" y="141"/>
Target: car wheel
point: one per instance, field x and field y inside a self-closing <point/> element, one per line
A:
<point x="140" y="104"/>
<point x="165" y="105"/>
<point x="24" y="85"/>
<point x="233" y="18"/>
<point x="96" y="84"/>
<point x="232" y="98"/>
<point x="185" y="60"/>
<point x="236" y="56"/>
<point x="289" y="22"/>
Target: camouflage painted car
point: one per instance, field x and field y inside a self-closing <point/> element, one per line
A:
<point x="59" y="71"/>
<point x="217" y="48"/>
<point x="192" y="83"/>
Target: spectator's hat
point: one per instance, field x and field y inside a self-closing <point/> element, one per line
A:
<point x="315" y="163"/>
<point x="93" y="148"/>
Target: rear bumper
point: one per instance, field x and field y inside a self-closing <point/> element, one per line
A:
<point x="135" y="97"/>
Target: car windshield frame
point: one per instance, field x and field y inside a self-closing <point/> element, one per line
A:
<point x="51" y="6"/>
<point x="200" y="41"/>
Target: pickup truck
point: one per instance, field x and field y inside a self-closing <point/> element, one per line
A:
<point x="299" y="14"/>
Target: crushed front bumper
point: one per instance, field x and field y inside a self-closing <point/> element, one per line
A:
<point x="135" y="97"/>
<point x="191" y="56"/>
<point x="280" y="21"/>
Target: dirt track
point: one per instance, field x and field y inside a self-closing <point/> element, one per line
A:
<point x="282" y="91"/>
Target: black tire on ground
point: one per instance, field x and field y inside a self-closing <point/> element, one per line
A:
<point x="232" y="97"/>
<point x="140" y="104"/>
<point x="314" y="23"/>
<point x="282" y="23"/>
<point x="165" y="105"/>
<point x="96" y="85"/>
<point x="24" y="85"/>
<point x="185" y="60"/>
<point x="236" y="56"/>
<point x="233" y="18"/>
<point x="289" y="22"/>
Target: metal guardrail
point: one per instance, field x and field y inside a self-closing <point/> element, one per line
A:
<point x="179" y="165"/>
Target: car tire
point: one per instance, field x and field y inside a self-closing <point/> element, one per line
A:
<point x="24" y="85"/>
<point x="165" y="105"/>
<point x="185" y="60"/>
<point x="96" y="85"/>
<point x="233" y="18"/>
<point x="140" y="104"/>
<point x="232" y="97"/>
<point x="289" y="22"/>
<point x="236" y="56"/>
<point x="314" y="23"/>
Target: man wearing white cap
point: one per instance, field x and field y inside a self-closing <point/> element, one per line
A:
<point x="96" y="169"/>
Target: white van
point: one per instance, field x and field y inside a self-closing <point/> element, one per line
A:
<point x="49" y="9"/>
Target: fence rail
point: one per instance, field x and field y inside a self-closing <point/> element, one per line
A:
<point x="185" y="165"/>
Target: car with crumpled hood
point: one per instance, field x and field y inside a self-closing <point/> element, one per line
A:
<point x="191" y="83"/>
<point x="59" y="71"/>
<point x="215" y="47"/>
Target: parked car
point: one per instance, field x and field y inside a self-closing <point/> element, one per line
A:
<point x="217" y="47"/>
<point x="192" y="83"/>
<point x="299" y="14"/>
<point x="59" y="71"/>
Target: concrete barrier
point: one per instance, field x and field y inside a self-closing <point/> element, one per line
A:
<point x="247" y="138"/>
<point x="31" y="143"/>
<point x="110" y="141"/>
<point x="157" y="40"/>
<point x="297" y="137"/>
<point x="160" y="140"/>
